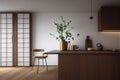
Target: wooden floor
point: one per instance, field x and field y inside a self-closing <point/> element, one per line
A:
<point x="26" y="73"/>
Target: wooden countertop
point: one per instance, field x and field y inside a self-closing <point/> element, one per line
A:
<point x="80" y="52"/>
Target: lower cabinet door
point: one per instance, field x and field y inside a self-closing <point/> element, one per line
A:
<point x="69" y="67"/>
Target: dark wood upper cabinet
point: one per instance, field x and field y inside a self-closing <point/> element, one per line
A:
<point x="109" y="19"/>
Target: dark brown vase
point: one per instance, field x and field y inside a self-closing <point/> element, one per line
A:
<point x="63" y="45"/>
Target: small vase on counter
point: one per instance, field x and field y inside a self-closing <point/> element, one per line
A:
<point x="63" y="45"/>
<point x="88" y="43"/>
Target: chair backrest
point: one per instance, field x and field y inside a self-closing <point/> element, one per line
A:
<point x="38" y="51"/>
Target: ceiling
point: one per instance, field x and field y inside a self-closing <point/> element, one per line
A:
<point x="54" y="5"/>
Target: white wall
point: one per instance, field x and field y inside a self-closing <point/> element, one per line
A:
<point x="43" y="25"/>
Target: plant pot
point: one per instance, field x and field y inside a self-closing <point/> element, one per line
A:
<point x="63" y="45"/>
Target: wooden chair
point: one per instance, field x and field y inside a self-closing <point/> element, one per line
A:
<point x="41" y="57"/>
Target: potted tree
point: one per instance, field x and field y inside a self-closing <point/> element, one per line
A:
<point x="64" y="33"/>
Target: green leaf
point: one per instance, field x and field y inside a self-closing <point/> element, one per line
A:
<point x="57" y="38"/>
<point x="72" y="38"/>
<point x="61" y="17"/>
<point x="50" y="33"/>
<point x="78" y="34"/>
<point x="69" y="39"/>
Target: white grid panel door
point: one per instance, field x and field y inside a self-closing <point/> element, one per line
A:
<point x="6" y="44"/>
<point x="23" y="39"/>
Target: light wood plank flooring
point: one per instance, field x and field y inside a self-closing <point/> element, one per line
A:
<point x="27" y="73"/>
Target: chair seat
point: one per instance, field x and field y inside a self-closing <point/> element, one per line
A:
<point x="40" y="57"/>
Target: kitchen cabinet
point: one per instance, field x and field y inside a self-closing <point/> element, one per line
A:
<point x="109" y="19"/>
<point x="89" y="65"/>
<point x="69" y="67"/>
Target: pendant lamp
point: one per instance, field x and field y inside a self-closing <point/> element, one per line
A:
<point x="91" y="17"/>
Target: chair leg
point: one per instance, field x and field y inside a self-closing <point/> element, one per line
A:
<point x="43" y="62"/>
<point x="33" y="63"/>
<point x="46" y="64"/>
<point x="38" y="66"/>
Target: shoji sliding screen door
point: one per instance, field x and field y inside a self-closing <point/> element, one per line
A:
<point x="23" y="39"/>
<point x="6" y="43"/>
<point x="15" y="39"/>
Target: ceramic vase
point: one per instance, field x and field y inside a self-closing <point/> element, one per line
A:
<point x="63" y="45"/>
